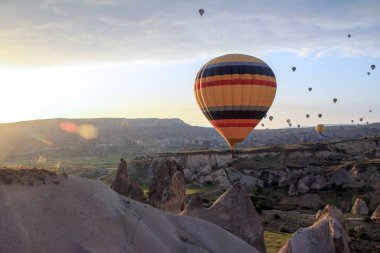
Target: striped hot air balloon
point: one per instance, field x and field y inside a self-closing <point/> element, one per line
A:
<point x="234" y="92"/>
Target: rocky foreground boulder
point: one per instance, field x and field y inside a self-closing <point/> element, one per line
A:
<point x="123" y="185"/>
<point x="376" y="214"/>
<point x="167" y="189"/>
<point x="234" y="212"/>
<point x="359" y="207"/>
<point x="79" y="215"/>
<point x="327" y="234"/>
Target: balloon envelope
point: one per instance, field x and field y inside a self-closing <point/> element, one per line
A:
<point x="234" y="92"/>
<point x="335" y="100"/>
<point x="373" y="67"/>
<point x="349" y="35"/>
<point x="320" y="115"/>
<point x="270" y="118"/>
<point x="201" y="11"/>
<point x="320" y="128"/>
<point x="307" y="115"/>
<point x="294" y="69"/>
<point x="310" y="88"/>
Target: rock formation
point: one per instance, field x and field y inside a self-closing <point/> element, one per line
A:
<point x="359" y="207"/>
<point x="80" y="215"/>
<point x="167" y="189"/>
<point x="124" y="185"/>
<point x="376" y="214"/>
<point x="234" y="212"/>
<point x="327" y="234"/>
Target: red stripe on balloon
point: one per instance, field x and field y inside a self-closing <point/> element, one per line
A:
<point x="235" y="82"/>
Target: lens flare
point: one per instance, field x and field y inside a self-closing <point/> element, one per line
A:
<point x="40" y="138"/>
<point x="88" y="131"/>
<point x="69" y="127"/>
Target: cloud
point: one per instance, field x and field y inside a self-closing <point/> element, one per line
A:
<point x="97" y="31"/>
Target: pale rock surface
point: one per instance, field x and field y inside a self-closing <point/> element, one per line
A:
<point x="327" y="234"/>
<point x="359" y="207"/>
<point x="79" y="215"/>
<point x="234" y="212"/>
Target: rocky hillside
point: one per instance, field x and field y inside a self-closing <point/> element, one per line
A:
<point x="99" y="137"/>
<point x="304" y="175"/>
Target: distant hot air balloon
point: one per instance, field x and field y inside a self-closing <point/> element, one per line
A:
<point x="288" y="121"/>
<point x="368" y="73"/>
<point x="201" y="11"/>
<point x="373" y="67"/>
<point x="335" y="100"/>
<point x="352" y="121"/>
<point x="270" y="118"/>
<point x="307" y="115"/>
<point x="262" y="125"/>
<point x="265" y="116"/>
<point x="298" y="126"/>
<point x="310" y="88"/>
<point x="367" y="123"/>
<point x="320" y="128"/>
<point x="349" y="35"/>
<point x="290" y="124"/>
<point x="320" y="115"/>
<point x="370" y="110"/>
<point x="361" y="119"/>
<point x="294" y="69"/>
<point x="234" y="92"/>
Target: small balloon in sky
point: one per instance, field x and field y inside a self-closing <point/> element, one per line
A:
<point x="368" y="73"/>
<point x="373" y="67"/>
<point x="370" y="110"/>
<point x="349" y="35"/>
<point x="307" y="115"/>
<point x="288" y="121"/>
<point x="201" y="12"/>
<point x="294" y="69"/>
<point x="270" y="118"/>
<point x="320" y="115"/>
<point x="335" y="100"/>
<point x="352" y="121"/>
<point x="290" y="124"/>
<point x="361" y="119"/>
<point x="310" y="88"/>
<point x="265" y="116"/>
<point x="262" y="125"/>
<point x="298" y="126"/>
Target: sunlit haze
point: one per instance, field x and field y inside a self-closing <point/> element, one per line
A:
<point x="138" y="59"/>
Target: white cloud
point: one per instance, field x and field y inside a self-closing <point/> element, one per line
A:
<point x="68" y="31"/>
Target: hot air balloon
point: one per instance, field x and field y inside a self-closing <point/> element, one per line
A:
<point x="290" y="124"/>
<point x="320" y="115"/>
<point x="368" y="73"/>
<point x="352" y="121"/>
<point x="298" y="126"/>
<point x="349" y="35"/>
<point x="361" y="119"/>
<point x="307" y="115"/>
<point x="373" y="67"/>
<point x="320" y="128"/>
<point x="367" y="123"/>
<point x="201" y="12"/>
<point x="310" y="88"/>
<point x="294" y="69"/>
<point x="270" y="118"/>
<point x="288" y="121"/>
<point x="265" y="116"/>
<point x="335" y="100"/>
<point x="370" y="110"/>
<point x="262" y="125"/>
<point x="234" y="92"/>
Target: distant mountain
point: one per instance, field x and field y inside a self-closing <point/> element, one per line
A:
<point x="126" y="136"/>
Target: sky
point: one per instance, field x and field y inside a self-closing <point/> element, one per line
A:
<point x="138" y="59"/>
